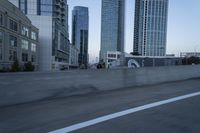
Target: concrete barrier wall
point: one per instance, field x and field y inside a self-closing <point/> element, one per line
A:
<point x="17" y="88"/>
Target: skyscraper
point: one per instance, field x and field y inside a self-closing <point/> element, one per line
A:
<point x="51" y="18"/>
<point x="112" y="26"/>
<point x="150" y="31"/>
<point x="80" y="26"/>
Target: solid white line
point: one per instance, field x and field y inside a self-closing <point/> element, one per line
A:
<point x="122" y="113"/>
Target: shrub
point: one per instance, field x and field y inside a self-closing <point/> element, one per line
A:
<point x="15" y="67"/>
<point x="29" y="67"/>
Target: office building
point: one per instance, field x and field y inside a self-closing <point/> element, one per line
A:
<point x="18" y="37"/>
<point x="112" y="26"/>
<point x="150" y="30"/>
<point x="80" y="32"/>
<point x="51" y="18"/>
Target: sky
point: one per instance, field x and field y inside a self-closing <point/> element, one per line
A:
<point x="183" y="25"/>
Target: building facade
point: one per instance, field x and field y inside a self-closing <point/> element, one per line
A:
<point x="150" y="30"/>
<point x="145" y="61"/>
<point x="129" y="61"/>
<point x="190" y="54"/>
<point x="80" y="33"/>
<point x="51" y="18"/>
<point x="112" y="26"/>
<point x="18" y="37"/>
<point x="112" y="56"/>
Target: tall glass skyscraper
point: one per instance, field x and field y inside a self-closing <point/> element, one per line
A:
<point x="150" y="31"/>
<point x="112" y="26"/>
<point x="51" y="18"/>
<point x="80" y="28"/>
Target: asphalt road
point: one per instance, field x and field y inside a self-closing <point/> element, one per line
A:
<point x="45" y="116"/>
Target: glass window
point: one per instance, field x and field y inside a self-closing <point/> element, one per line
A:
<point x="1" y="19"/>
<point x="33" y="35"/>
<point x="13" y="41"/>
<point x="118" y="56"/>
<point x="1" y="43"/>
<point x="12" y="55"/>
<point x="25" y="31"/>
<point x="24" y="57"/>
<point x="23" y="6"/>
<point x="1" y="53"/>
<point x="45" y="7"/>
<point x="13" y="25"/>
<point x="1" y="38"/>
<point x="24" y="44"/>
<point x="33" y="47"/>
<point x="33" y="58"/>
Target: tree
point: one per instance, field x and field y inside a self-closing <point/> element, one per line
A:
<point x="15" y="66"/>
<point x="29" y="67"/>
<point x="101" y="65"/>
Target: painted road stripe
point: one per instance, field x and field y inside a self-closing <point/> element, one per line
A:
<point x="122" y="113"/>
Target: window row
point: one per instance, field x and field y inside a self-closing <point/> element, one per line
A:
<point x="24" y="43"/>
<point x="112" y="55"/>
<point x="25" y="32"/>
<point x="25" y="56"/>
<point x="13" y="25"/>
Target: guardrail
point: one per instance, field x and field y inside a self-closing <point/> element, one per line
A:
<point x="30" y="87"/>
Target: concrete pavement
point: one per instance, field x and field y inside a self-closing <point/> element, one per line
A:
<point x="178" y="117"/>
<point x="51" y="114"/>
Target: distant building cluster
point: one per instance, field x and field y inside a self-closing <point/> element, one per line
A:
<point x="37" y="32"/>
<point x="150" y="29"/>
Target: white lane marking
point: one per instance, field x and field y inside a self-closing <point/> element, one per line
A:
<point x="122" y="113"/>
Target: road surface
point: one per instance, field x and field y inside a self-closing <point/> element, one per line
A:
<point x="179" y="116"/>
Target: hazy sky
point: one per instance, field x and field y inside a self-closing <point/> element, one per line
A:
<point x="183" y="25"/>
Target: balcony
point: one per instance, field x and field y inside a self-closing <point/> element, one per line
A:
<point x="62" y="14"/>
<point x="58" y="5"/>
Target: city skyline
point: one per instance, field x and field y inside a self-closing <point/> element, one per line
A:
<point x="182" y="17"/>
